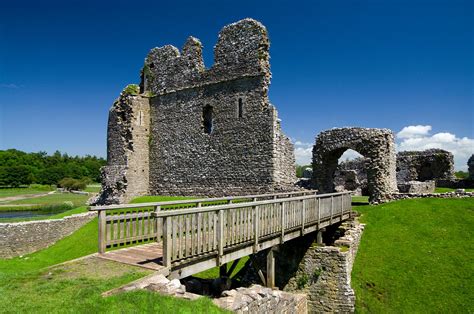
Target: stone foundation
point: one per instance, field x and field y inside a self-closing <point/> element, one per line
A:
<point x="21" y="238"/>
<point x="258" y="299"/>
<point x="324" y="273"/>
<point x="458" y="194"/>
<point x="417" y="187"/>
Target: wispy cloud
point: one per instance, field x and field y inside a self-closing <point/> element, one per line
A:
<point x="9" y="85"/>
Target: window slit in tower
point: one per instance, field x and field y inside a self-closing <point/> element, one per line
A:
<point x="207" y="119"/>
<point x="240" y="109"/>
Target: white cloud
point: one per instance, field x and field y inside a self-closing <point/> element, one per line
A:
<point x="418" y="138"/>
<point x="349" y="155"/>
<point x="414" y="131"/>
<point x="303" y="153"/>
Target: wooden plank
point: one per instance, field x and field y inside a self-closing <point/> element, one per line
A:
<point x="303" y="209"/>
<point x="167" y="242"/>
<point x="270" y="269"/>
<point x="199" y="239"/>
<point x="102" y="239"/>
<point x="195" y="201"/>
<point x="256" y="226"/>
<point x="220" y="236"/>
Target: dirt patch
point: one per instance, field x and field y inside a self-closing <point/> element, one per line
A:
<point x="23" y="197"/>
<point x="95" y="268"/>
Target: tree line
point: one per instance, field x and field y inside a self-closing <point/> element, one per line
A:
<point x="19" y="168"/>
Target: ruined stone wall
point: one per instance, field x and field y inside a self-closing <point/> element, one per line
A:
<point x="244" y="151"/>
<point x="127" y="172"/>
<point x="376" y="144"/>
<point x="431" y="164"/>
<point x="20" y="238"/>
<point x="470" y="165"/>
<point x="189" y="130"/>
<point x="324" y="273"/>
<point x="351" y="175"/>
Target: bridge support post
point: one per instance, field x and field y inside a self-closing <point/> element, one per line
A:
<point x="319" y="236"/>
<point x="223" y="270"/>
<point x="271" y="268"/>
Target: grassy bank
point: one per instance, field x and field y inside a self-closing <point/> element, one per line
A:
<point x="416" y="256"/>
<point x="27" y="285"/>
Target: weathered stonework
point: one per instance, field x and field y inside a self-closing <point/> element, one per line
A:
<point x="209" y="132"/>
<point x="324" y="273"/>
<point x="457" y="194"/>
<point x="352" y="176"/>
<point x="258" y="299"/>
<point x="417" y="187"/>
<point x="376" y="144"/>
<point x="470" y="165"/>
<point x="21" y="238"/>
<point x="431" y="164"/>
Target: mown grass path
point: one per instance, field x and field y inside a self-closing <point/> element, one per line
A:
<point x="416" y="256"/>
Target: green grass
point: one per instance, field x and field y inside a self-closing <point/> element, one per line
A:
<point x="26" y="190"/>
<point x="444" y="190"/>
<point x="360" y="199"/>
<point x="214" y="272"/>
<point x="56" y="198"/>
<point x="415" y="257"/>
<point x="26" y="286"/>
<point x="93" y="188"/>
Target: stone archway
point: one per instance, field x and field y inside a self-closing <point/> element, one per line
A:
<point x="375" y="144"/>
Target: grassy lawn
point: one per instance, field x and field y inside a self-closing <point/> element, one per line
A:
<point x="6" y="192"/>
<point x="56" y="198"/>
<point x="444" y="190"/>
<point x="26" y="285"/>
<point x="93" y="188"/>
<point x="416" y="256"/>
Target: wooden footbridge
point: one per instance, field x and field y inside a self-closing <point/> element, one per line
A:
<point x="181" y="238"/>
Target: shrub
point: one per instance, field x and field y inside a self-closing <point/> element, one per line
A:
<point x="71" y="184"/>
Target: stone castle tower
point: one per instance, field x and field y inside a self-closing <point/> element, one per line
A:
<point x="189" y="130"/>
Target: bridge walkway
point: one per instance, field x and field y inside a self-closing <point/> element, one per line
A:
<point x="181" y="238"/>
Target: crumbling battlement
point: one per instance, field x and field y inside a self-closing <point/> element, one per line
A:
<point x="241" y="51"/>
<point x="196" y="131"/>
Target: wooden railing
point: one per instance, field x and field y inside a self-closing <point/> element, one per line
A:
<point x="127" y="224"/>
<point x="206" y="232"/>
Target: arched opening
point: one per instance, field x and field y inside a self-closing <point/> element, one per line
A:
<point x="351" y="173"/>
<point x="207" y="119"/>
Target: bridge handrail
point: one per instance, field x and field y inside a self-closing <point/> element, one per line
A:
<point x="212" y="208"/>
<point x="193" y="201"/>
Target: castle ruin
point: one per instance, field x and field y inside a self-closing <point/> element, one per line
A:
<point x="189" y="130"/>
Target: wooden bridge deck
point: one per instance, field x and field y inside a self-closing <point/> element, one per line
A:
<point x="148" y="256"/>
<point x="185" y="241"/>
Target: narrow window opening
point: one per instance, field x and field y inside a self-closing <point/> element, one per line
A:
<point x="240" y="109"/>
<point x="207" y="119"/>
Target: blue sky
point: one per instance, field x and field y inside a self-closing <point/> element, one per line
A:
<point x="387" y="64"/>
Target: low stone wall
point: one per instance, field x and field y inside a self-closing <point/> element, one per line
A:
<point x="324" y="273"/>
<point x="258" y="299"/>
<point x="417" y="187"/>
<point x="21" y="238"/>
<point x="403" y="196"/>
